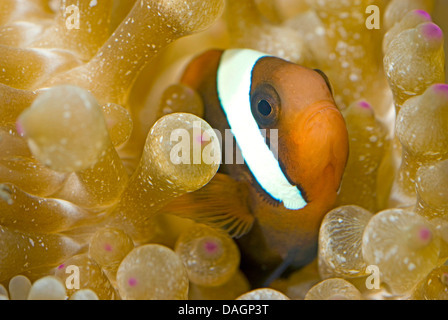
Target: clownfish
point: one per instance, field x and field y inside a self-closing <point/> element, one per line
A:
<point x="275" y="201"/>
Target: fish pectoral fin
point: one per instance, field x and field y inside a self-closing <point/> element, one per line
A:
<point x="222" y="203"/>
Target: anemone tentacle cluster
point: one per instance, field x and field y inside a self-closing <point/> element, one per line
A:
<point x="89" y="98"/>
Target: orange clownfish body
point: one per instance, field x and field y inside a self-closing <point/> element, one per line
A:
<point x="294" y="143"/>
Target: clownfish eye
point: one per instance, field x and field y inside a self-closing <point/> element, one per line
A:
<point x="264" y="108"/>
<point x="265" y="105"/>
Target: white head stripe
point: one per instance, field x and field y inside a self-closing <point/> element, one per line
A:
<point x="234" y="84"/>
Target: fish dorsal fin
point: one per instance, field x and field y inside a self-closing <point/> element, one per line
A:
<point x="222" y="203"/>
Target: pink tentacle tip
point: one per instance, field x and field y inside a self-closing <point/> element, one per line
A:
<point x="202" y="138"/>
<point x="108" y="247"/>
<point x="132" y="282"/>
<point x="19" y="128"/>
<point x="365" y="105"/>
<point x="424" y="14"/>
<point x="432" y="31"/>
<point x="441" y="88"/>
<point x="61" y="266"/>
<point x="425" y="234"/>
<point x="199" y="139"/>
<point x="210" y="246"/>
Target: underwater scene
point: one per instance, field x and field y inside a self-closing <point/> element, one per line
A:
<point x="223" y="150"/>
